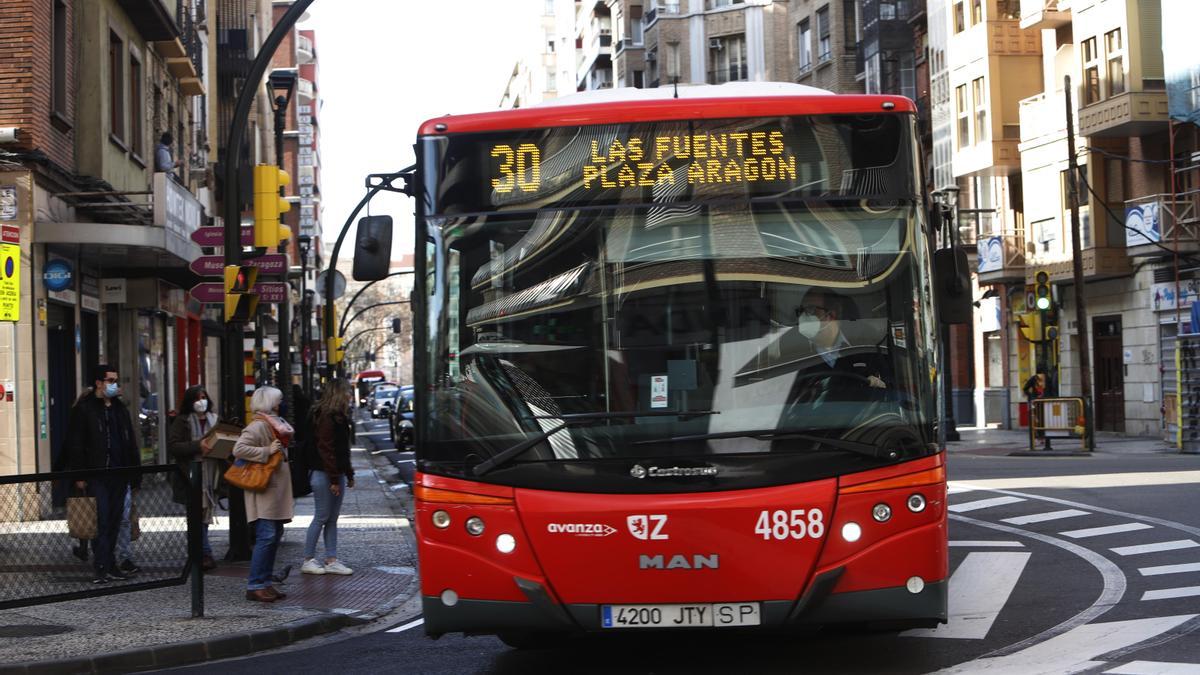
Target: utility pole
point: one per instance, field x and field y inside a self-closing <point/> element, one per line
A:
<point x="1085" y="360"/>
<point x="284" y="378"/>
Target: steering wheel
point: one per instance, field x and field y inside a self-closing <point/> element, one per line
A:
<point x="808" y="394"/>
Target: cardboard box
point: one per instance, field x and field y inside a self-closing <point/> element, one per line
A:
<point x="223" y="437"/>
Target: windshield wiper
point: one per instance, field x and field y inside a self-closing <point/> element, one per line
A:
<point x="570" y="419"/>
<point x="867" y="449"/>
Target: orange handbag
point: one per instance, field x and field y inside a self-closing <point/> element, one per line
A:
<point x="253" y="476"/>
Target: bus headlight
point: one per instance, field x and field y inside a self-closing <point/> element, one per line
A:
<point x="916" y="503"/>
<point x="441" y="519"/>
<point x="851" y="532"/>
<point x="881" y="513"/>
<point x="474" y="526"/>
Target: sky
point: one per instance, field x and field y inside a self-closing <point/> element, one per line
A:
<point x="386" y="66"/>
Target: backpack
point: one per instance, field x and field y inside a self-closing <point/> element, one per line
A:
<point x="304" y="459"/>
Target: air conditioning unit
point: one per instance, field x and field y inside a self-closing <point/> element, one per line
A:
<point x="715" y="44"/>
<point x="652" y="56"/>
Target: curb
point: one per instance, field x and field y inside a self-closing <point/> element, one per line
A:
<point x="235" y="645"/>
<point x="197" y="651"/>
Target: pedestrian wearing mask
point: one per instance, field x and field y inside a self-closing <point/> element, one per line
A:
<point x="331" y="475"/>
<point x="268" y="510"/>
<point x="186" y="442"/>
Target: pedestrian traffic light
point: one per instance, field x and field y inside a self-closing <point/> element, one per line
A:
<point x="268" y="204"/>
<point x="336" y="353"/>
<point x="240" y="298"/>
<point x="1041" y="291"/>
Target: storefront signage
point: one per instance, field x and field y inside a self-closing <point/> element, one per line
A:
<point x="58" y="275"/>
<point x="113" y="291"/>
<point x="174" y="207"/>
<point x="10" y="273"/>
<point x="991" y="254"/>
<point x="1164" y="298"/>
<point x="215" y="236"/>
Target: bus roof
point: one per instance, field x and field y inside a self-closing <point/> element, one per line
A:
<point x="370" y="375"/>
<point x="627" y="104"/>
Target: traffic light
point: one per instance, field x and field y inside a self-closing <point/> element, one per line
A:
<point x="336" y="353"/>
<point x="240" y="298"/>
<point x="1041" y="291"/>
<point x="397" y="325"/>
<point x="1051" y="332"/>
<point x="268" y="204"/>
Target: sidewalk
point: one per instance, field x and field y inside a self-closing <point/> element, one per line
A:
<point x="999" y="442"/>
<point x="154" y="628"/>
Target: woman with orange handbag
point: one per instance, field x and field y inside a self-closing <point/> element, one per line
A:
<point x="268" y="434"/>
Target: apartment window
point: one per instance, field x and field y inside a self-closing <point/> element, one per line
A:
<point x="714" y="4"/>
<point x="639" y="79"/>
<point x="805" y="43"/>
<point x="849" y="25"/>
<point x="1116" y="62"/>
<point x="960" y="23"/>
<point x="979" y="100"/>
<point x="135" y="107"/>
<point x="1045" y="232"/>
<point x="728" y="58"/>
<point x="548" y="8"/>
<point x="58" y="93"/>
<point x="1008" y="9"/>
<point x="887" y="10"/>
<point x="1091" y="71"/>
<point x="551" y="83"/>
<point x="964" y="116"/>
<point x="637" y="29"/>
<point x="673" y="61"/>
<point x="823" y="34"/>
<point x="116" y="87"/>
<point x="976" y="11"/>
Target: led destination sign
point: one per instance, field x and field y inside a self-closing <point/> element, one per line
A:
<point x="734" y="157"/>
<point x="668" y="161"/>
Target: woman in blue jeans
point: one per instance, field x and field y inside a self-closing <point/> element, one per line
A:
<point x="268" y="510"/>
<point x="331" y="475"/>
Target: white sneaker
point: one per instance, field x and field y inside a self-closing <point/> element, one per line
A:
<point x="311" y="566"/>
<point x="336" y="567"/>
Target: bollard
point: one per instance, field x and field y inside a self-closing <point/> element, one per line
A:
<point x="195" y="516"/>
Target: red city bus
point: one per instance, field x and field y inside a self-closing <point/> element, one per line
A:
<point x="678" y="363"/>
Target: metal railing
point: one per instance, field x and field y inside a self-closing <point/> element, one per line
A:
<point x="1157" y="217"/>
<point x="1056" y="418"/>
<point x="41" y="561"/>
<point x="998" y="252"/>
<point x="730" y="74"/>
<point x="186" y="17"/>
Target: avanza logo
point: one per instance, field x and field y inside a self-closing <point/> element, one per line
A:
<point x="581" y="529"/>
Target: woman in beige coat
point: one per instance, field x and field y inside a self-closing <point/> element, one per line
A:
<point x="270" y="509"/>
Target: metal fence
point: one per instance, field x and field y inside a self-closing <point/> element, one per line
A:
<point x="41" y="562"/>
<point x="1052" y="418"/>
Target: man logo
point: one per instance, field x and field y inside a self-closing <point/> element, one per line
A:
<point x="647" y="527"/>
<point x="711" y="561"/>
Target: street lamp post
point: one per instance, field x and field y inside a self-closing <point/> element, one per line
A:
<point x="303" y="245"/>
<point x="283" y="83"/>
<point x="947" y="199"/>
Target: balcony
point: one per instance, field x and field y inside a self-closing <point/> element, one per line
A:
<point x="1156" y="221"/>
<point x="305" y="53"/>
<point x="626" y="43"/>
<point x="1042" y="14"/>
<point x="651" y="15"/>
<point x="1098" y="263"/>
<point x="184" y="54"/>
<point x="737" y="73"/>
<point x="1133" y="113"/>
<point x="1041" y="117"/>
<point x="1001" y="258"/>
<point x="305" y="90"/>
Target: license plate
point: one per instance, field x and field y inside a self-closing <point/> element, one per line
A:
<point x="692" y="615"/>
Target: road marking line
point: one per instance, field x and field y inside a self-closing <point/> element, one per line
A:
<point x="1170" y="593"/>
<point x="373" y="433"/>
<point x="1169" y="569"/>
<point x="979" y="589"/>
<point x="1043" y="517"/>
<point x="1155" y="668"/>
<point x="987" y="544"/>
<point x="1075" y="649"/>
<point x="407" y="626"/>
<point x="956" y="488"/>
<point x="1155" y="548"/>
<point x="1101" y="531"/>
<point x="1111" y="592"/>
<point x="1093" y="480"/>
<point x="984" y="504"/>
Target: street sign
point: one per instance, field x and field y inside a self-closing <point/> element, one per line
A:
<point x="339" y="284"/>
<point x="215" y="236"/>
<point x="213" y="292"/>
<point x="214" y="265"/>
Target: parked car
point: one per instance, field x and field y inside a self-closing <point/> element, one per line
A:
<point x="401" y="423"/>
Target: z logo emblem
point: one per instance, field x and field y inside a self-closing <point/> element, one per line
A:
<point x="647" y="527"/>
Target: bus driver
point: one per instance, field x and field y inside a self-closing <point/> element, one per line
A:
<point x="838" y="373"/>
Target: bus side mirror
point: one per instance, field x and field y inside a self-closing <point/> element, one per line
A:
<point x="952" y="285"/>
<point x="372" y="248"/>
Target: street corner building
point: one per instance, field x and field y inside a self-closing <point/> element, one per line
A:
<point x="113" y="117"/>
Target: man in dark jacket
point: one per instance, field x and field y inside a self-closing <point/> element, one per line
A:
<point x="100" y="436"/>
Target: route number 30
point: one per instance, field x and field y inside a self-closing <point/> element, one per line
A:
<point x="794" y="524"/>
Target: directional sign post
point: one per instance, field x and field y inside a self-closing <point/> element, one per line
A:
<point x="215" y="236"/>
<point x="214" y="265"/>
<point x="213" y="292"/>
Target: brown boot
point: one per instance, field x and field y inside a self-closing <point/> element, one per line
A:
<point x="261" y="595"/>
<point x="207" y="563"/>
<point x="279" y="595"/>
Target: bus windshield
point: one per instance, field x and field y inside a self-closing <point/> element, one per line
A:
<point x="709" y="320"/>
